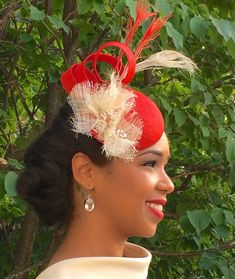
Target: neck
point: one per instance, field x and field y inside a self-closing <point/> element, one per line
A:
<point x="89" y="237"/>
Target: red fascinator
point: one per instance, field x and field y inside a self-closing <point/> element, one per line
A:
<point x="124" y="120"/>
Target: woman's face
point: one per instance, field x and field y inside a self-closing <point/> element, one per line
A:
<point x="130" y="196"/>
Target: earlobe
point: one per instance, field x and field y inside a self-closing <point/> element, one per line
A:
<point x="82" y="169"/>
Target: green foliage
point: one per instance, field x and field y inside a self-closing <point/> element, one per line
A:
<point x="197" y="236"/>
<point x="10" y="183"/>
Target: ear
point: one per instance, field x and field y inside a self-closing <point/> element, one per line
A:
<point x="83" y="170"/>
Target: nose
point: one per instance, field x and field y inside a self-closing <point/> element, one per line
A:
<point x="165" y="183"/>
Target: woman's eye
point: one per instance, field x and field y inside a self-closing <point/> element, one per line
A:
<point x="151" y="164"/>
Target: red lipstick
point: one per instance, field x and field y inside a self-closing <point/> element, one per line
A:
<point x="156" y="207"/>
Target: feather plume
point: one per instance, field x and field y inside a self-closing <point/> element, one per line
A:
<point x="151" y="33"/>
<point x="142" y="14"/>
<point x="106" y="110"/>
<point x="167" y="58"/>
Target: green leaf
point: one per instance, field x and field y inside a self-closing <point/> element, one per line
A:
<point x="98" y="6"/>
<point x="200" y="219"/>
<point x="164" y="37"/>
<point x="218" y="115"/>
<point x="231" y="48"/>
<point x="232" y="174"/>
<point x="120" y="6"/>
<point x="225" y="27"/>
<point x="222" y="231"/>
<point x="203" y="8"/>
<point x="205" y="131"/>
<point x="217" y="215"/>
<point x="185" y="224"/>
<point x="222" y="132"/>
<point x="177" y="38"/>
<point x="10" y="183"/>
<point x="165" y="104"/>
<point x="25" y="37"/>
<point x="131" y="4"/>
<point x="199" y="26"/>
<point x="180" y="116"/>
<point x="197" y="86"/>
<point x="163" y="7"/>
<point x="208" y="98"/>
<point x="36" y="14"/>
<point x="58" y="23"/>
<point x="229" y="217"/>
<point x="230" y="149"/>
<point x="227" y="271"/>
<point x="3" y="113"/>
<point x="194" y="119"/>
<point x="84" y="6"/>
<point x="216" y="198"/>
<point x="2" y="189"/>
<point x="13" y="162"/>
<point x="195" y="99"/>
<point x="209" y="261"/>
<point x="204" y="120"/>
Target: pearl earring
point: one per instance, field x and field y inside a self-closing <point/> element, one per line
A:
<point x="89" y="203"/>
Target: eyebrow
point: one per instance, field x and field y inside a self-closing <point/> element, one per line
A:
<point x="155" y="152"/>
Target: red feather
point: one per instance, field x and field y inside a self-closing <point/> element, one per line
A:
<point x="142" y="14"/>
<point x="151" y="33"/>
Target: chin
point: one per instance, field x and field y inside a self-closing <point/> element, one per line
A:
<point x="148" y="232"/>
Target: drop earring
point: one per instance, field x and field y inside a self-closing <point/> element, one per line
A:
<point x="89" y="203"/>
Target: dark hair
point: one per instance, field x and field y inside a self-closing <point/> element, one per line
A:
<point x="46" y="181"/>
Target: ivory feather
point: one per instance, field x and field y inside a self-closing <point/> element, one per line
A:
<point x="167" y="59"/>
<point x="104" y="109"/>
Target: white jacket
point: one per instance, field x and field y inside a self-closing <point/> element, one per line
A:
<point x="134" y="265"/>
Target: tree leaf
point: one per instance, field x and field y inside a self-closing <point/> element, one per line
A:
<point x="196" y="86"/>
<point x="84" y="6"/>
<point x="13" y="162"/>
<point x="185" y="224"/>
<point x="2" y="190"/>
<point x="180" y="116"/>
<point x="165" y="104"/>
<point x="199" y="26"/>
<point x="208" y="98"/>
<point x="218" y="115"/>
<point x="225" y="27"/>
<point x="98" y="6"/>
<point x="36" y="14"/>
<point x="10" y="183"/>
<point x="177" y="38"/>
<point x="209" y="261"/>
<point x="230" y="149"/>
<point x="222" y="132"/>
<point x="131" y="4"/>
<point x="194" y="119"/>
<point x="231" y="48"/>
<point x="231" y="176"/>
<point x="205" y="131"/>
<point x="163" y="7"/>
<point x="229" y="217"/>
<point x="58" y="23"/>
<point x="200" y="219"/>
<point x="217" y="215"/>
<point x="222" y="231"/>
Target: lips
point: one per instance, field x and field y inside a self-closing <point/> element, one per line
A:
<point x="156" y="207"/>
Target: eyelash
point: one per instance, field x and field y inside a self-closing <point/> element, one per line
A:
<point x="150" y="164"/>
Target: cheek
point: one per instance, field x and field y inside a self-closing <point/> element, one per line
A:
<point x="131" y="187"/>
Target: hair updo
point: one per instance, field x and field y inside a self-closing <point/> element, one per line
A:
<point x="46" y="181"/>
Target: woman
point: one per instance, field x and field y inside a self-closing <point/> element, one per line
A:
<point x="99" y="168"/>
